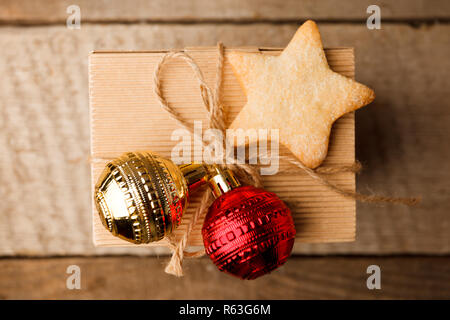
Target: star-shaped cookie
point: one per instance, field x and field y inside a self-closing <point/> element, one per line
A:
<point x="297" y="93"/>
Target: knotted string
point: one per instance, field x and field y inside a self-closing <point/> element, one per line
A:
<point x="246" y="173"/>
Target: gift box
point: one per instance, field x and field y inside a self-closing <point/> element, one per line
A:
<point x="126" y="116"/>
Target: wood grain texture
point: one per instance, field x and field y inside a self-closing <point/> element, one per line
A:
<point x="299" y="278"/>
<point x="126" y="116"/>
<point x="54" y="11"/>
<point x="401" y="138"/>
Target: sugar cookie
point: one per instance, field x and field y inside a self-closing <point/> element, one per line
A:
<point x="297" y="93"/>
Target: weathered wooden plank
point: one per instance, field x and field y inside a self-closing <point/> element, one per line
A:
<point x="55" y="11"/>
<point x="299" y="278"/>
<point x="44" y="133"/>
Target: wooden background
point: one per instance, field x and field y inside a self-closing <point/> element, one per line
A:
<point x="401" y="139"/>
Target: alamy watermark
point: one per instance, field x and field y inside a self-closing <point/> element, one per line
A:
<point x="374" y="20"/>
<point x="374" y="280"/>
<point x="73" y="21"/>
<point x="74" y="279"/>
<point x="263" y="147"/>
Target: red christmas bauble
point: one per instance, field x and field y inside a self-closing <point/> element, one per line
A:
<point x="248" y="232"/>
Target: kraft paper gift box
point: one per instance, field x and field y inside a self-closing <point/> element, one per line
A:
<point x="126" y="116"/>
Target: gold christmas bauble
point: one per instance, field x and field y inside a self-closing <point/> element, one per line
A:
<point x="141" y="197"/>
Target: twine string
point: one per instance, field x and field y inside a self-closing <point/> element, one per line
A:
<point x="246" y="173"/>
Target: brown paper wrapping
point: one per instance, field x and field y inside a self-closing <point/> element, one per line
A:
<point x="126" y="116"/>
